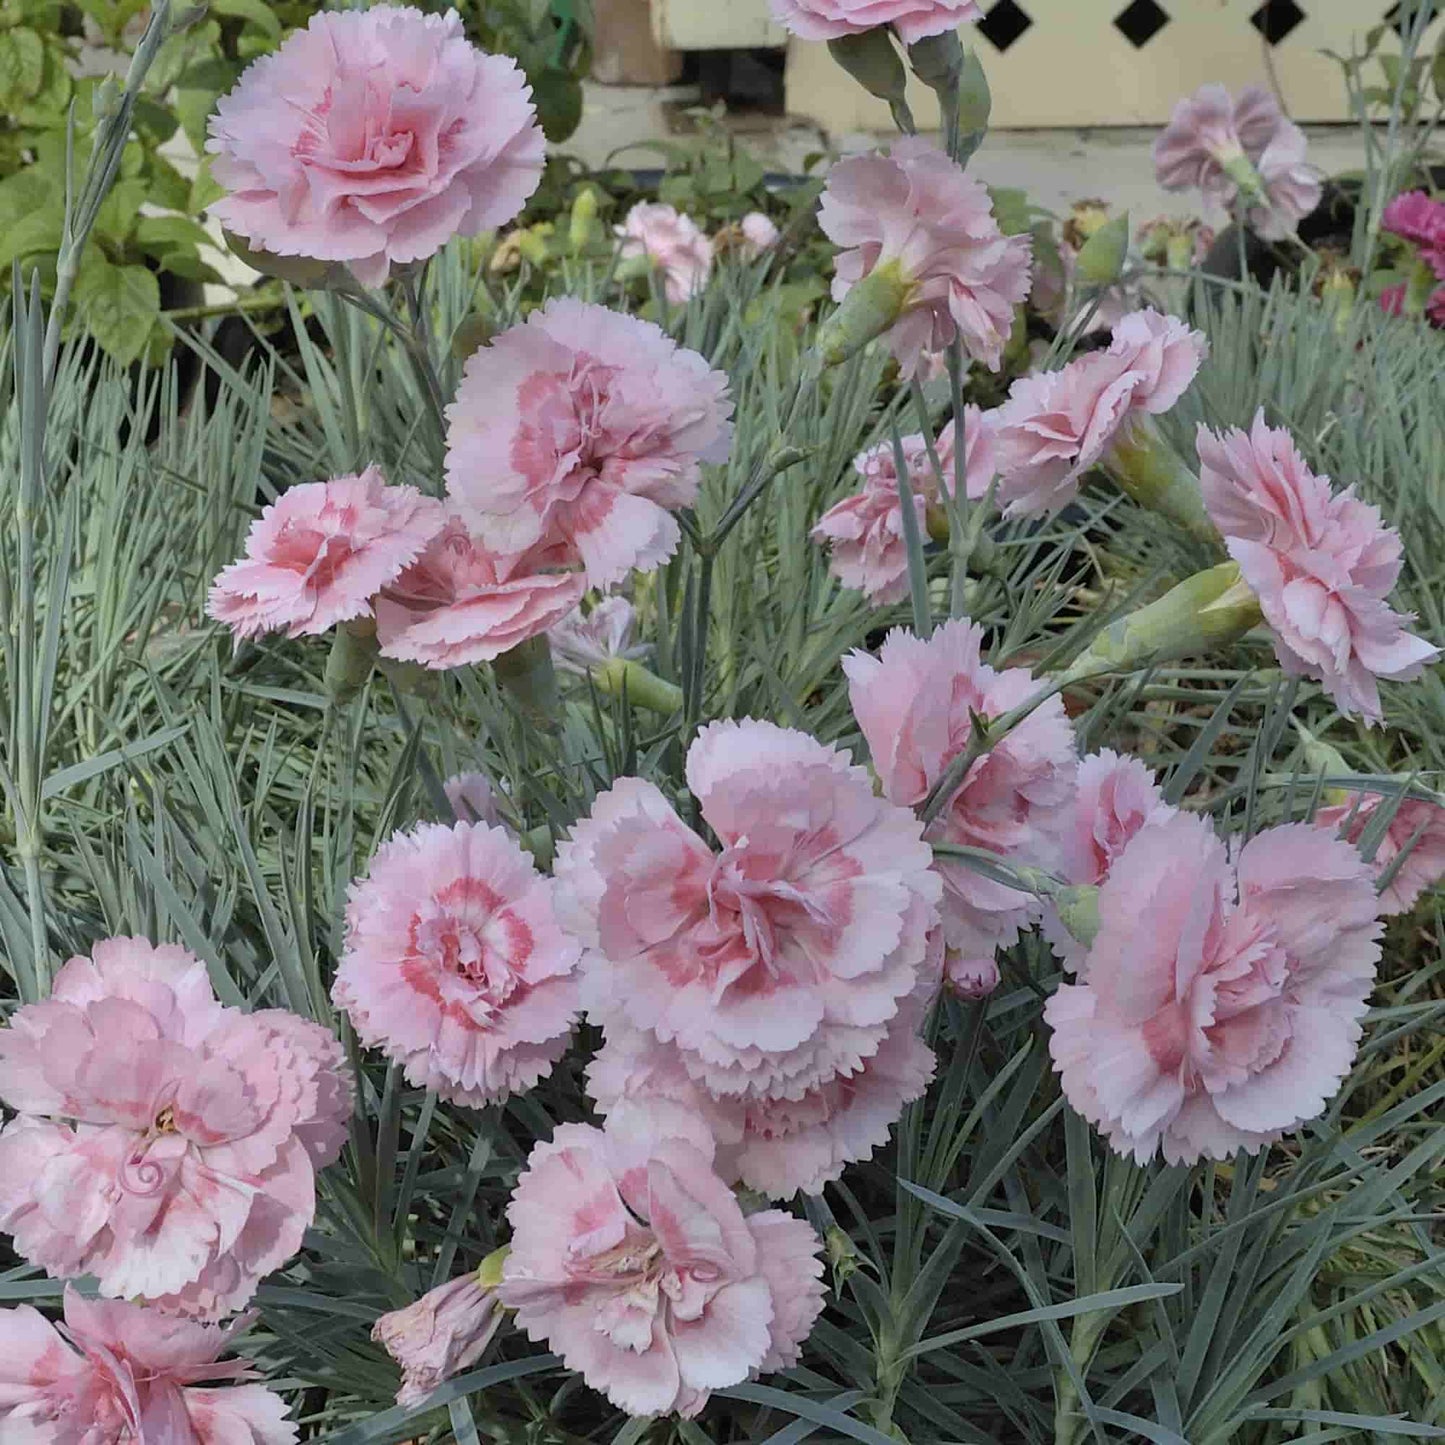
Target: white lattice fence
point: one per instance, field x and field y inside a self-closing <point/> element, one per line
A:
<point x="1082" y="62"/>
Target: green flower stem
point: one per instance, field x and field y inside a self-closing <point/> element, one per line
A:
<point x="354" y="650"/>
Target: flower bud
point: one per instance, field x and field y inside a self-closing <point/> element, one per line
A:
<point x="1145" y="467"/>
<point x="1101" y="260"/>
<point x="1205" y="611"/>
<point x="869" y="57"/>
<point x="972" y="979"/>
<point x="620" y="676"/>
<point x="583" y="229"/>
<point x="868" y="310"/>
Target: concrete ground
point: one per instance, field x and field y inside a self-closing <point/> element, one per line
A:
<point x="1055" y="167"/>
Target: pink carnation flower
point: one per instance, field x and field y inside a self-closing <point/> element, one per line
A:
<point x="864" y="532"/>
<point x="971" y="979"/>
<point x="1415" y="216"/>
<point x="473" y="799"/>
<point x="583" y="430"/>
<point x="913" y="19"/>
<point x="164" y="1144"/>
<point x="1220" y="1005"/>
<point x="632" y="1259"/>
<point x="1292" y="186"/>
<point x="459" y="603"/>
<point x="320" y="553"/>
<point x="1162" y="353"/>
<point x="1056" y="425"/>
<point x="1114" y="798"/>
<point x="778" y="961"/>
<point x="373" y="137"/>
<point x="581" y="643"/>
<point x="444" y="1332"/>
<point x="455" y="965"/>
<point x="1392" y="303"/>
<point x="1208" y="130"/>
<point x="1417" y="824"/>
<point x="915" y="703"/>
<point x="673" y="243"/>
<point x="915" y="207"/>
<point x="777" y="1143"/>
<point x="1321" y="564"/>
<point x="119" y="1372"/>
<point x="760" y="234"/>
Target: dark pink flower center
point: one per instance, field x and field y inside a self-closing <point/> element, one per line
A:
<point x="465" y="929"/>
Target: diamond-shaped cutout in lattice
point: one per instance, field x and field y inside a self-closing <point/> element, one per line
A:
<point x="1140" y="22"/>
<point x="1004" y="24"/>
<point x="1275" y="19"/>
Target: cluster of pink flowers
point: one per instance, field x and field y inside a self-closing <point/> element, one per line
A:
<point x="1240" y="152"/>
<point x="916" y="703"/>
<point x="632" y="1258"/>
<point x="864" y="532"/>
<point x="371" y="138"/>
<point x="1322" y="564"/>
<point x="1056" y="425"/>
<point x="758" y="983"/>
<point x="1220" y="1003"/>
<point x="1419" y="219"/>
<point x="915" y="211"/>
<point x="914" y="20"/>
<point x="681" y="251"/>
<point x="572" y="440"/>
<point x="163" y="1143"/>
<point x="118" y="1373"/>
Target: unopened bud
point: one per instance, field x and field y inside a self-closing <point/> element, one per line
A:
<point x="870" y="58"/>
<point x="105" y="102"/>
<point x="1101" y="261"/>
<point x="1208" y="610"/>
<point x="868" y="310"/>
<point x="842" y="1256"/>
<point x="622" y="676"/>
<point x="583" y="229"/>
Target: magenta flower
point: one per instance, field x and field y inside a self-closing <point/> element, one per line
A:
<point x="914" y="210"/>
<point x="457" y="605"/>
<point x="785" y="1140"/>
<point x="777" y="960"/>
<point x="119" y="1372"/>
<point x="1417" y="824"/>
<point x="582" y="431"/>
<point x="455" y="965"/>
<point x="444" y="1332"/>
<point x="913" y="19"/>
<point x="1221" y="1004"/>
<point x="670" y="241"/>
<point x="1321" y="563"/>
<point x="164" y="1144"/>
<point x="1416" y="217"/>
<point x="373" y="137"/>
<point x="1207" y="132"/>
<point x="320" y="553"/>
<point x="632" y="1259"/>
<point x="915" y="703"/>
